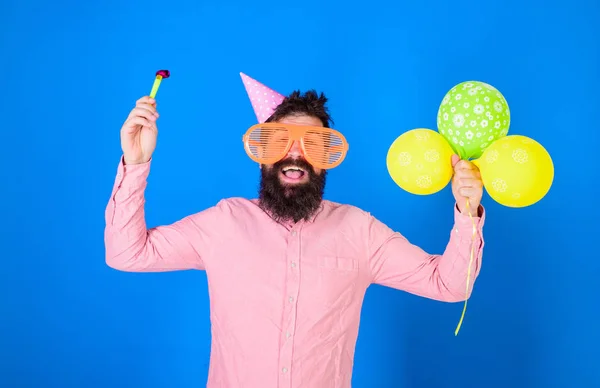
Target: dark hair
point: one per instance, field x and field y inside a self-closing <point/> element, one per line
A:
<point x="309" y="103"/>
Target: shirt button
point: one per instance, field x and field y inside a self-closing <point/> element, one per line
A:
<point x="293" y="232"/>
<point x="293" y="265"/>
<point x="291" y="299"/>
<point x="284" y="370"/>
<point x="288" y="334"/>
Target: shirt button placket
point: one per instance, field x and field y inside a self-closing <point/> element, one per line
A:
<point x="290" y="310"/>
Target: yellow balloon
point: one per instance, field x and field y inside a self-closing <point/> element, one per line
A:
<point x="420" y="161"/>
<point x="516" y="171"/>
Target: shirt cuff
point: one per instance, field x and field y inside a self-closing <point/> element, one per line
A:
<point x="463" y="220"/>
<point x="130" y="177"/>
<point x="133" y="172"/>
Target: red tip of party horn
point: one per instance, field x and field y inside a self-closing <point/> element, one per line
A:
<point x="164" y="73"/>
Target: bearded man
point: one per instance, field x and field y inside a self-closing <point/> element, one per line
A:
<point x="287" y="271"/>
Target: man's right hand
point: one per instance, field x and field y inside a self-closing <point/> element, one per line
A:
<point x="139" y="132"/>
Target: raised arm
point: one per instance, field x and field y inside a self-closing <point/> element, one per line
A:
<point x="395" y="262"/>
<point x="130" y="245"/>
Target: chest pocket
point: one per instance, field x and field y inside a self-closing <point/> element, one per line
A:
<point x="331" y="269"/>
<point x="338" y="263"/>
<point x="331" y="282"/>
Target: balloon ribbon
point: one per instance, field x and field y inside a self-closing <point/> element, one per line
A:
<point x="469" y="269"/>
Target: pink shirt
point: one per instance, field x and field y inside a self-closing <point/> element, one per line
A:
<point x="285" y="299"/>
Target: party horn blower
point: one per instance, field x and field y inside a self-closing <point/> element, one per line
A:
<point x="516" y="171"/>
<point x="160" y="75"/>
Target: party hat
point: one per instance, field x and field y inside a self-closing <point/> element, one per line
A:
<point x="264" y="100"/>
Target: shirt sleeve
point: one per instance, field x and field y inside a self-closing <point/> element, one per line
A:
<point x="397" y="263"/>
<point x="130" y="246"/>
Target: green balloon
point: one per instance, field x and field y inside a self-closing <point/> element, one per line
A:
<point x="471" y="116"/>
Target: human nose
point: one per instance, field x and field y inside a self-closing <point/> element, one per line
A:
<point x="295" y="150"/>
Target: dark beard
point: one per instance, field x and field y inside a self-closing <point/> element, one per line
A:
<point x="291" y="202"/>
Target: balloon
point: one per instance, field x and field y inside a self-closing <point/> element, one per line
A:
<point x="420" y="161"/>
<point x="471" y="116"/>
<point x="516" y="171"/>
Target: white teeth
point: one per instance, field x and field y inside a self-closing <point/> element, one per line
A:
<point x="292" y="168"/>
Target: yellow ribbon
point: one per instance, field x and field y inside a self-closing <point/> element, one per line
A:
<point x="469" y="269"/>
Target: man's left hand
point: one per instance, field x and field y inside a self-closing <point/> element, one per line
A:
<point x="466" y="185"/>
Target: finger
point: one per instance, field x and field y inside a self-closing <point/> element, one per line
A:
<point x="146" y="104"/>
<point x="455" y="159"/>
<point x="468" y="183"/>
<point x="468" y="192"/>
<point x="144" y="112"/>
<point x="146" y="100"/>
<point x="464" y="165"/>
<point x="148" y="107"/>
<point x="469" y="174"/>
<point x="134" y="121"/>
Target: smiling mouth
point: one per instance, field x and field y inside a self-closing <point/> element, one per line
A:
<point x="293" y="173"/>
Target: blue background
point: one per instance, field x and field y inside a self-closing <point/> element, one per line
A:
<point x="71" y="73"/>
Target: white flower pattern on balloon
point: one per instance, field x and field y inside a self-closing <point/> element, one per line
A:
<point x="422" y="136"/>
<point x="499" y="185"/>
<point x="432" y="155"/>
<point x="491" y="156"/>
<point x="526" y="141"/>
<point x="404" y="158"/>
<point x="424" y="181"/>
<point x="459" y="120"/>
<point x="520" y="156"/>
